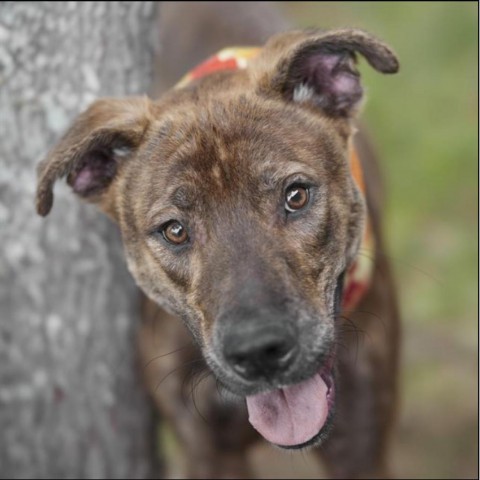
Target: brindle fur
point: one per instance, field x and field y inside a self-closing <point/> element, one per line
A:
<point x="216" y="155"/>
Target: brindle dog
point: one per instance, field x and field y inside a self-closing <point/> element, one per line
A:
<point x="239" y="214"/>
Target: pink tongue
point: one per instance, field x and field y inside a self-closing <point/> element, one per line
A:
<point x="292" y="415"/>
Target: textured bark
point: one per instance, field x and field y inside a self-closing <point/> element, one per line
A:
<point x="70" y="403"/>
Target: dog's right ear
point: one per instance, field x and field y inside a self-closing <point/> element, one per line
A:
<point x="92" y="150"/>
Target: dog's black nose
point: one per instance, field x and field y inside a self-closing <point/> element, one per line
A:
<point x="261" y="352"/>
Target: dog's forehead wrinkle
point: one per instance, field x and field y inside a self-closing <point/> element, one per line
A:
<point x="183" y="197"/>
<point x="271" y="173"/>
<point x="230" y="128"/>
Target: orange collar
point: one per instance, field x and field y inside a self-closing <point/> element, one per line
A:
<point x="358" y="277"/>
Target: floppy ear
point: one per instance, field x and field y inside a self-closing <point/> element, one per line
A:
<point x="319" y="68"/>
<point x="91" y="151"/>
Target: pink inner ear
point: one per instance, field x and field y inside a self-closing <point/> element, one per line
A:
<point x="339" y="78"/>
<point x="95" y="174"/>
<point x="83" y="180"/>
<point x="334" y="79"/>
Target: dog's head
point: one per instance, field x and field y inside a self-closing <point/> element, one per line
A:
<point x="239" y="213"/>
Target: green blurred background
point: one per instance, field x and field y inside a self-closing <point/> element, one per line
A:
<point x="424" y="122"/>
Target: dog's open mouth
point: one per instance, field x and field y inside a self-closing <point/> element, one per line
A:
<point x="297" y="415"/>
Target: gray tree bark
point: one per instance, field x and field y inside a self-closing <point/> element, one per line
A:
<point x="70" y="403"/>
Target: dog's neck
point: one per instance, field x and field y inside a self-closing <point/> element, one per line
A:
<point x="358" y="277"/>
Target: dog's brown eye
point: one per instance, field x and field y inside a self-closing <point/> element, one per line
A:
<point x="174" y="232"/>
<point x="296" y="198"/>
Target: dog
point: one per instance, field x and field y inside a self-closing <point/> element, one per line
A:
<point x="245" y="199"/>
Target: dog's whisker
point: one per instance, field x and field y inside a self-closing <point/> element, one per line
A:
<point x="164" y="355"/>
<point x="184" y="365"/>
<point x="188" y="377"/>
<point x="372" y="314"/>
<point x="339" y="344"/>
<point x="349" y="328"/>
<point x="398" y="261"/>
<point x="206" y="374"/>
<point x="219" y="389"/>
<point x="194" y="377"/>
<point x="354" y="327"/>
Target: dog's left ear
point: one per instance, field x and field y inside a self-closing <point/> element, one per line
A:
<point x="319" y="68"/>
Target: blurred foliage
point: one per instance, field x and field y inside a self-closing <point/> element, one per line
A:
<point x="424" y="122"/>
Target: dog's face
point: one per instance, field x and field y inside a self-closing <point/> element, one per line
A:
<point x="238" y="210"/>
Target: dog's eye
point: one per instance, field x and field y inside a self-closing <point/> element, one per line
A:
<point x="296" y="198"/>
<point x="175" y="233"/>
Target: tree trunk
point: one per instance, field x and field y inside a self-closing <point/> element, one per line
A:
<point x="70" y="401"/>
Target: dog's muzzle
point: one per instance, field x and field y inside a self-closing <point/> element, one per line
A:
<point x="289" y="394"/>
